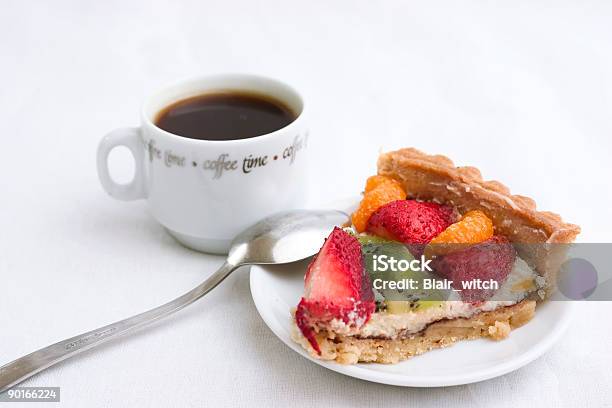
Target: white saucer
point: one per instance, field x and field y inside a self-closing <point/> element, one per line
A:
<point x="275" y="289"/>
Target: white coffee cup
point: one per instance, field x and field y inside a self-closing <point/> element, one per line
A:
<point x="204" y="192"/>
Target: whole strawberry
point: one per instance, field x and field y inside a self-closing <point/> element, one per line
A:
<point x="412" y="222"/>
<point x="492" y="259"/>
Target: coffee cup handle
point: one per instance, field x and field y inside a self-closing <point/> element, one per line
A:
<point x="130" y="138"/>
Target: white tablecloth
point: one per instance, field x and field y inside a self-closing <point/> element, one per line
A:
<point x="522" y="90"/>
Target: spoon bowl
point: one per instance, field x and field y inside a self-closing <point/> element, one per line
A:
<point x="284" y="237"/>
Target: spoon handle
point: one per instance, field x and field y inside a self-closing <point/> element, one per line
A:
<point x="23" y="368"/>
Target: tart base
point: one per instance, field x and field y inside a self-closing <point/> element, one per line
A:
<point x="495" y="325"/>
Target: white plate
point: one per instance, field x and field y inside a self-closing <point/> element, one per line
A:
<point x="276" y="289"/>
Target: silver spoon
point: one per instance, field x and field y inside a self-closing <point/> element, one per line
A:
<point x="281" y="238"/>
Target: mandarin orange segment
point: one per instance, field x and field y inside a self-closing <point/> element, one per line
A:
<point x="474" y="227"/>
<point x="374" y="182"/>
<point x="379" y="191"/>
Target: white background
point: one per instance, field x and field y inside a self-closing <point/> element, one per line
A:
<point x="522" y="90"/>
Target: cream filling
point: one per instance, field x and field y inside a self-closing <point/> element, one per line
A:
<point x="521" y="281"/>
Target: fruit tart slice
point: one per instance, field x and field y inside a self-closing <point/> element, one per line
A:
<point x="462" y="259"/>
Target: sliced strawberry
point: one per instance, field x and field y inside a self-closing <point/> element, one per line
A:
<point x="491" y="259"/>
<point x="412" y="222"/>
<point x="336" y="286"/>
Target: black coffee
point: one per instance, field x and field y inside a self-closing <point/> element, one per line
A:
<point x="224" y="116"/>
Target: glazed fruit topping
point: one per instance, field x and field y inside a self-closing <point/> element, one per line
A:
<point x="463" y="251"/>
<point x="474" y="227"/>
<point x="336" y="286"/>
<point x="412" y="222"/>
<point x="492" y="259"/>
<point x="396" y="301"/>
<point x="379" y="190"/>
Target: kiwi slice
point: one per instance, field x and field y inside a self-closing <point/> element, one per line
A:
<point x="398" y="300"/>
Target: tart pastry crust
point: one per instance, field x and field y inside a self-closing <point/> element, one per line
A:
<point x="435" y="178"/>
<point x="495" y="325"/>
